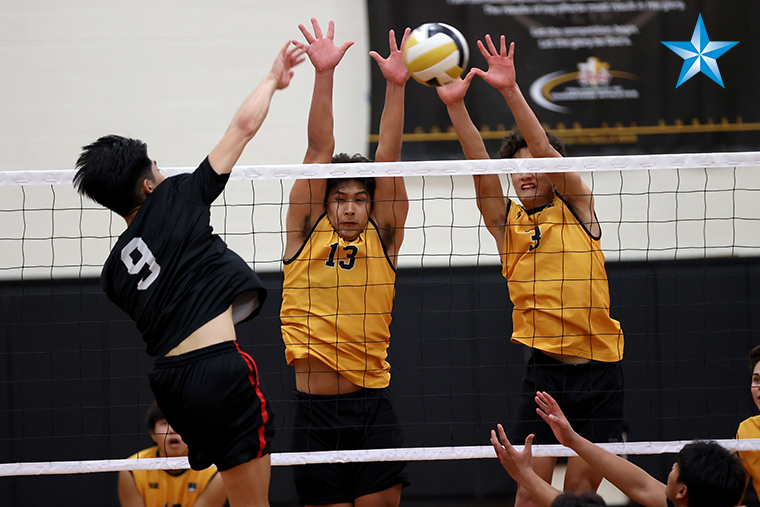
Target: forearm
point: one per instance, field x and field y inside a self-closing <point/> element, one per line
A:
<point x="469" y="137"/>
<point x="253" y="111"/>
<point x="244" y="125"/>
<point x="542" y="492"/>
<point x="634" y="482"/>
<point x="320" y="129"/>
<point x="527" y="122"/>
<point x="391" y="124"/>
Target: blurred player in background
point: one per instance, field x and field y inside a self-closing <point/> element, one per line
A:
<point x="175" y="488"/>
<point x="750" y="428"/>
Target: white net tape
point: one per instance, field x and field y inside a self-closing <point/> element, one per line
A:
<point x="438" y="167"/>
<point x="402" y="454"/>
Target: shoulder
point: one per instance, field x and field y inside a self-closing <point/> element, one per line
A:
<point x="749" y="426"/>
<point x="321" y="226"/>
<point x="150" y="452"/>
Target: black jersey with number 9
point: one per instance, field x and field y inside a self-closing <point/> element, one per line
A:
<point x="170" y="272"/>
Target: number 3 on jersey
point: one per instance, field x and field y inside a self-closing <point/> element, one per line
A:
<point x="146" y="259"/>
<point x="351" y="251"/>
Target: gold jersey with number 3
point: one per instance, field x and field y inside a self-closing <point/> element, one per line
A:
<point x="558" y="284"/>
<point x="337" y="300"/>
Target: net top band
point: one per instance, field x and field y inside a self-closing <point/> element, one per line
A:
<point x="437" y="167"/>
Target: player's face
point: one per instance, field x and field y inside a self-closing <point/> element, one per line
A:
<point x="533" y="189"/>
<point x="169" y="443"/>
<point x="157" y="176"/>
<point x="348" y="209"/>
<point x="756" y="385"/>
<point x="674" y="489"/>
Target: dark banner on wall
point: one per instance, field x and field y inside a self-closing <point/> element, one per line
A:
<point x="595" y="72"/>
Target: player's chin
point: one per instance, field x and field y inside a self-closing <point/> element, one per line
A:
<point x="177" y="452"/>
<point x="349" y="233"/>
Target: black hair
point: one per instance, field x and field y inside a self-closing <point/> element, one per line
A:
<point x="713" y="476"/>
<point x="754" y="358"/>
<point x="572" y="500"/>
<point x="153" y="415"/>
<point x="344" y="158"/>
<point x="110" y="171"/>
<point x="514" y="141"/>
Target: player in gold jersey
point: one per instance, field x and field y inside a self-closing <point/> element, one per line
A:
<point x="551" y="257"/>
<point x="343" y="237"/>
<point x="750" y="428"/>
<point x="176" y="488"/>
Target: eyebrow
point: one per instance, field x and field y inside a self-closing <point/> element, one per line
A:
<point x="340" y="192"/>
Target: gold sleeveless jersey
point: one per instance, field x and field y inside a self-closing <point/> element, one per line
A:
<point x="750" y="428"/>
<point x="558" y="284"/>
<point x="337" y="299"/>
<point x="159" y="488"/>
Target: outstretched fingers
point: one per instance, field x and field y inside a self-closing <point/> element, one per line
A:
<point x="293" y="55"/>
<point x="483" y="50"/>
<point x="407" y="33"/>
<point x="392" y="40"/>
<point x="307" y="35"/>
<point x="344" y="47"/>
<point x="491" y="47"/>
<point x="318" y="29"/>
<point x="500" y="440"/>
<point x="546" y="403"/>
<point x="330" y="28"/>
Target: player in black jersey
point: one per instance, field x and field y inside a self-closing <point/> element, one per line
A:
<point x="186" y="290"/>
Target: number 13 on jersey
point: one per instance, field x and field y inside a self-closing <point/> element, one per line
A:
<point x="350" y="260"/>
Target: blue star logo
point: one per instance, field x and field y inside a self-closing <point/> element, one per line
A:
<point x="699" y="54"/>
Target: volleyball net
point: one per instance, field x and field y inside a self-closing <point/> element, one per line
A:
<point x="681" y="238"/>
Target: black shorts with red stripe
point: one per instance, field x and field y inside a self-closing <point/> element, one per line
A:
<point x="213" y="398"/>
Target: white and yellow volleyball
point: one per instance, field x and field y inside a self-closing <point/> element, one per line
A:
<point x="436" y="54"/>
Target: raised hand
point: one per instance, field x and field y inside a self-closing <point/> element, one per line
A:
<point x="454" y="92"/>
<point x="393" y="68"/>
<point x="501" y="65"/>
<point x="515" y="463"/>
<point x="550" y="412"/>
<point x="286" y="59"/>
<point x="321" y="49"/>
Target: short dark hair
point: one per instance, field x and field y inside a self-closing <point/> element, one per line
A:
<point x="514" y="141"/>
<point x="713" y="476"/>
<point x="754" y="358"/>
<point x="572" y="500"/>
<point x="153" y="415"/>
<point x="344" y="158"/>
<point x="110" y="170"/>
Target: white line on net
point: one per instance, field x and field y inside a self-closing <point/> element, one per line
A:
<point x="437" y="167"/>
<point x="400" y="454"/>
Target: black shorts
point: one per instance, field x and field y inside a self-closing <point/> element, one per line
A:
<point x="364" y="419"/>
<point x="212" y="397"/>
<point x="590" y="395"/>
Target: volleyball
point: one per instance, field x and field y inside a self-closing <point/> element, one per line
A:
<point x="436" y="54"/>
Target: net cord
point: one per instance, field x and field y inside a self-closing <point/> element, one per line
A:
<point x="365" y="455"/>
<point x="436" y="167"/>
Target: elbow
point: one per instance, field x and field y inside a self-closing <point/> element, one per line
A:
<point x="248" y="125"/>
